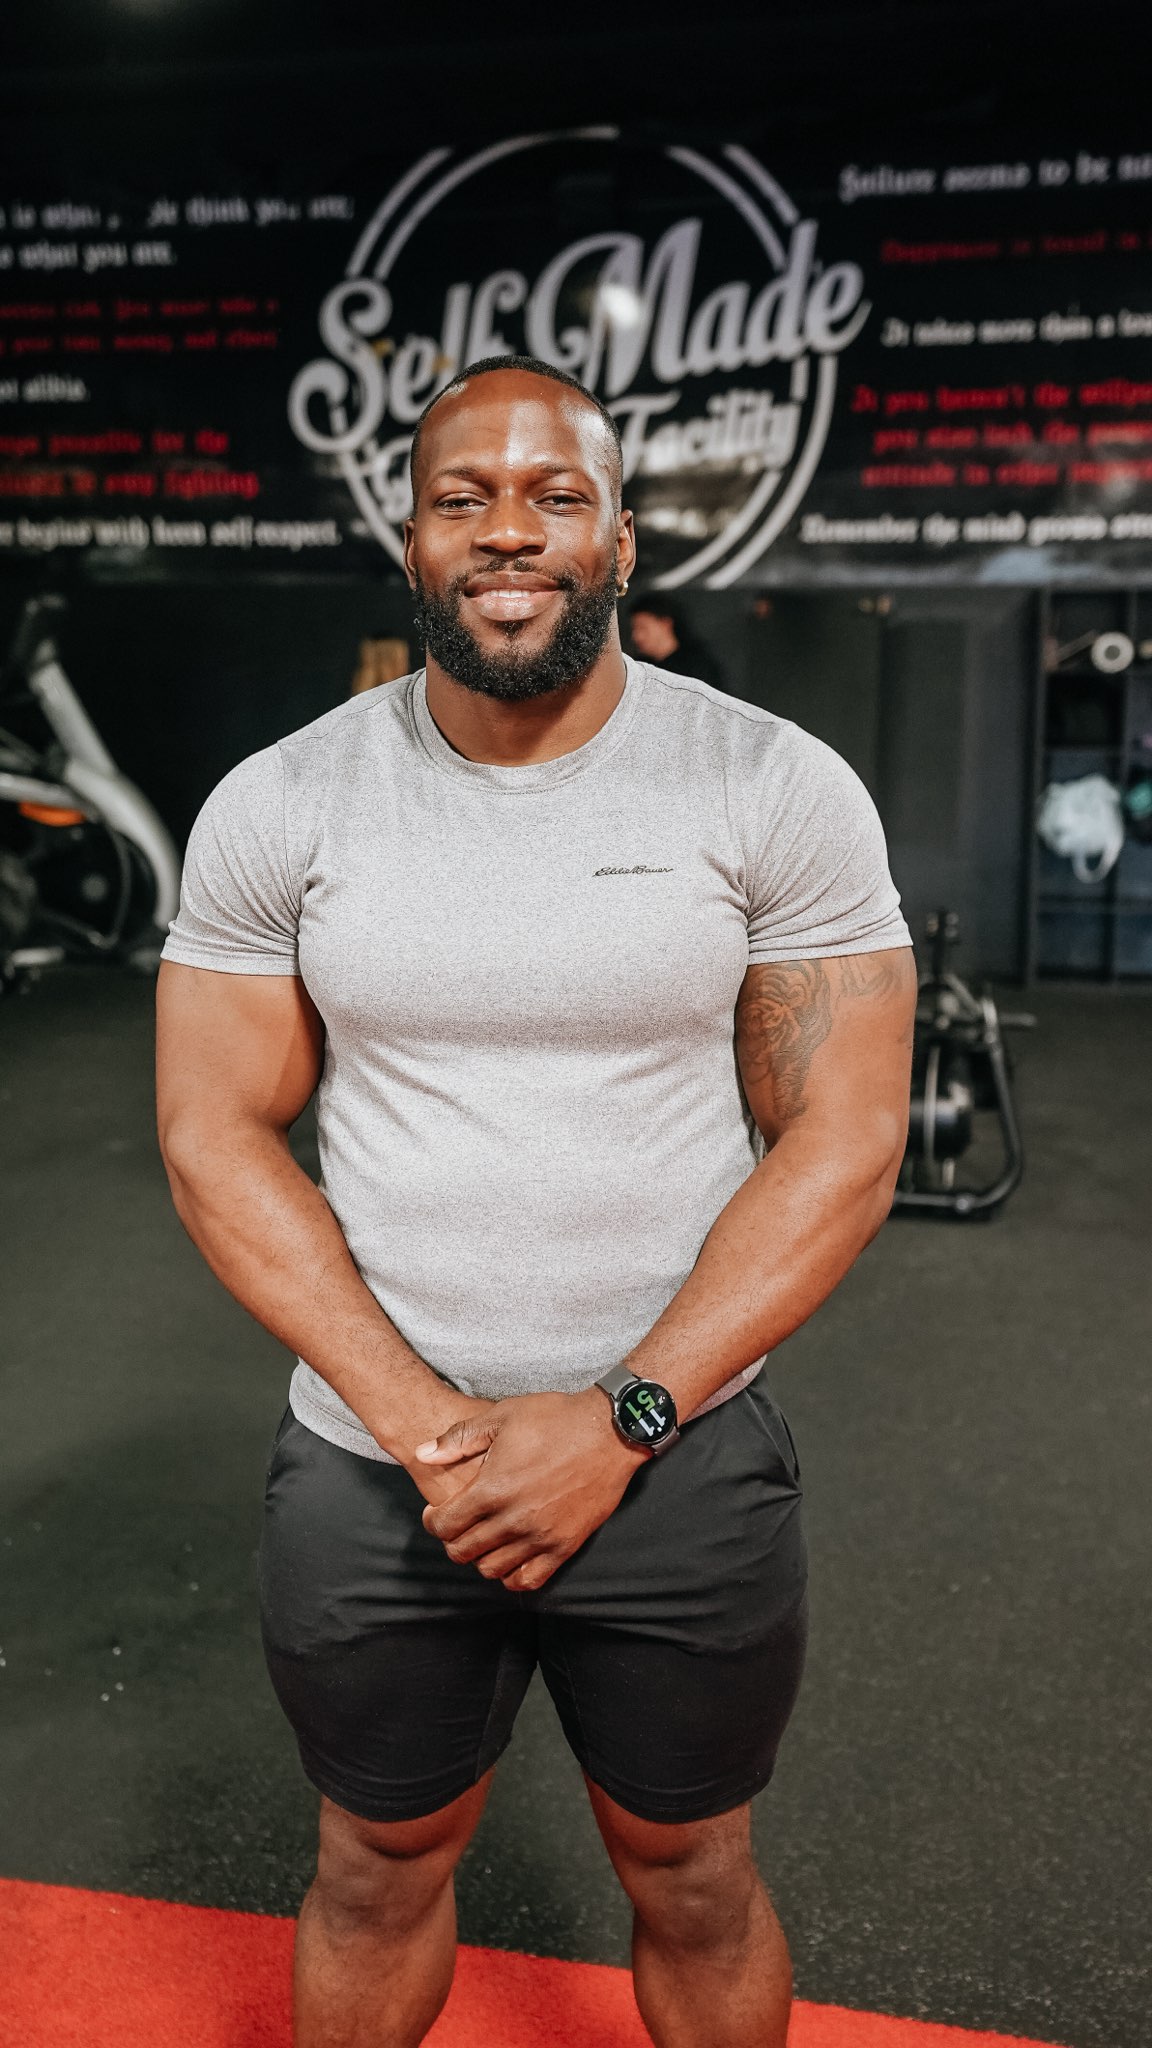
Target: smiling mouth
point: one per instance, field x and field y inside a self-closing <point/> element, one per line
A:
<point x="510" y="602"/>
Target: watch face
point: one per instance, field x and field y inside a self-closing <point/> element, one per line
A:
<point x="646" y="1414"/>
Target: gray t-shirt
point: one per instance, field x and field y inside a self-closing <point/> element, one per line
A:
<point x="530" y="1112"/>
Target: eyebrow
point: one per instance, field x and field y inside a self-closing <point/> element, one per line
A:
<point x="479" y="476"/>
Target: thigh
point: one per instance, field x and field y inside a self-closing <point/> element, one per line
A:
<point x="673" y="1644"/>
<point x="671" y="1735"/>
<point x="400" y="1672"/>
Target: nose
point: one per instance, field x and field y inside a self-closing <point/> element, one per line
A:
<point x="511" y="526"/>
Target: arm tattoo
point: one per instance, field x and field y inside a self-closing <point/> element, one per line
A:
<point x="880" y="974"/>
<point x="784" y="1014"/>
<point x="868" y="974"/>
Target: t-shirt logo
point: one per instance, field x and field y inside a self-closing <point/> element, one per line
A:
<point x="640" y="870"/>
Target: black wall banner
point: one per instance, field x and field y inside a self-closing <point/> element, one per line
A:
<point x="823" y="371"/>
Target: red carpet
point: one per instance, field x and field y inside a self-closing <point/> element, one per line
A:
<point x="97" y="1970"/>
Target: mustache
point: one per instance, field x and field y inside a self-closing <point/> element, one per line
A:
<point x="562" y="578"/>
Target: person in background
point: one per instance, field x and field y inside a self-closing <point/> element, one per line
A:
<point x="382" y="660"/>
<point x="660" y="634"/>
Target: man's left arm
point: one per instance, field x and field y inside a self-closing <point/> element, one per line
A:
<point x="824" y="1050"/>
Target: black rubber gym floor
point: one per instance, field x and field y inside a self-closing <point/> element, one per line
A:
<point x="959" y="1827"/>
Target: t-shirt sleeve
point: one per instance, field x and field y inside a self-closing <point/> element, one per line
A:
<point x="239" y="912"/>
<point x="818" y="872"/>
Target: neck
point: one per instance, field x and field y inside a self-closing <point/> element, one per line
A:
<point x="541" y="729"/>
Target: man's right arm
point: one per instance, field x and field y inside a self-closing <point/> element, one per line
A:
<point x="238" y="1057"/>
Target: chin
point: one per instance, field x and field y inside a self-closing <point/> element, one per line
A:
<point x="532" y="636"/>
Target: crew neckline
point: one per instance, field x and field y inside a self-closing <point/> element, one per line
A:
<point x="527" y="775"/>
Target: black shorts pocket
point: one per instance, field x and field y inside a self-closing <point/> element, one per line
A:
<point x="284" y="1425"/>
<point x="791" y="1445"/>
<point x="774" y="1426"/>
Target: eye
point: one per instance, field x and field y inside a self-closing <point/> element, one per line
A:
<point x="562" y="498"/>
<point x="461" y="500"/>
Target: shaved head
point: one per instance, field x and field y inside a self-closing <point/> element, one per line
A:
<point x="525" y="366"/>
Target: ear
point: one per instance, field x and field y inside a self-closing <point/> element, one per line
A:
<point x="625" y="547"/>
<point x="410" y="552"/>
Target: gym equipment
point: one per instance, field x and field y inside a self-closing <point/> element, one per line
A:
<point x="1083" y="821"/>
<point x="959" y="1070"/>
<point x="76" y="836"/>
<point x="1110" y="653"/>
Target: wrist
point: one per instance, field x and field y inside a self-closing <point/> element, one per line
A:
<point x="598" y="1406"/>
<point x="430" y="1423"/>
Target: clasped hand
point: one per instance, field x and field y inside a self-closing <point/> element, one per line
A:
<point x="549" y="1469"/>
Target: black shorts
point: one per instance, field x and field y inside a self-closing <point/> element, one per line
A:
<point x="672" y="1643"/>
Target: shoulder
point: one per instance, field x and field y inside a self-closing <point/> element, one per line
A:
<point x="251" y="791"/>
<point x="346" y="726"/>
<point x="329" y="752"/>
<point x="255" y="793"/>
<point x="689" y="699"/>
<point x="753" y="737"/>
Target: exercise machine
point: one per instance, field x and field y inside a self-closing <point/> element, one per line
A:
<point x="87" y="867"/>
<point x="960" y="1071"/>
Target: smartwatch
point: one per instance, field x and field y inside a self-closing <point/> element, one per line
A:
<point x="643" y="1411"/>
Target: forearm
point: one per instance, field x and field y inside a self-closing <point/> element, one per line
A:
<point x="272" y="1240"/>
<point x="776" y="1251"/>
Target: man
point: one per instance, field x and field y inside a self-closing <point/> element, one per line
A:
<point x="659" y="634"/>
<point x="604" y="986"/>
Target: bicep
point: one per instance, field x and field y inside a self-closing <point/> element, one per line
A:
<point x="828" y="1039"/>
<point x="230" y="1046"/>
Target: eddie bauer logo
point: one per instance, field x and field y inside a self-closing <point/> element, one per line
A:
<point x="724" y="391"/>
<point x="633" y="871"/>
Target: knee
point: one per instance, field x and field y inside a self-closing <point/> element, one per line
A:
<point x="694" y="1898"/>
<point x="693" y="1885"/>
<point x="382" y="1874"/>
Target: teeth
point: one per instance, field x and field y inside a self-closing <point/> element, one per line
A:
<point x="503" y="603"/>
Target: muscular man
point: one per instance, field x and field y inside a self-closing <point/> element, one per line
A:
<point x="603" y="985"/>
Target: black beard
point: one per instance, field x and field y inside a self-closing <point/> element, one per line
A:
<point x="579" y="638"/>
